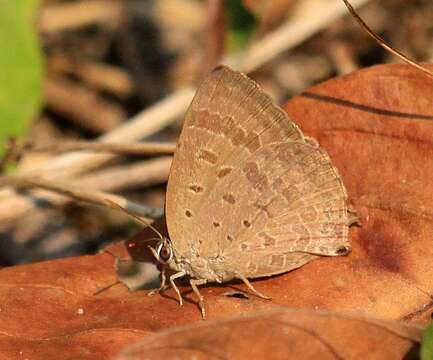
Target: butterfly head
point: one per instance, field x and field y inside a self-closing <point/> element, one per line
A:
<point x="163" y="251"/>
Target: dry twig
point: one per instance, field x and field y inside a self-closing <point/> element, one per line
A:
<point x="82" y="105"/>
<point x="342" y="56"/>
<point x="105" y="77"/>
<point x="382" y="42"/>
<point x="141" y="174"/>
<point x="122" y="177"/>
<point x="136" y="149"/>
<point x="73" y="15"/>
<point x="92" y="197"/>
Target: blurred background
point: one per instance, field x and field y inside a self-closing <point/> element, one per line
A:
<point x="81" y="69"/>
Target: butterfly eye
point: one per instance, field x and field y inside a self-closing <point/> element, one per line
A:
<point x="165" y="253"/>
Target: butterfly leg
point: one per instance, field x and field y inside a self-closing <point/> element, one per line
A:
<point x="250" y="286"/>
<point x="172" y="278"/>
<point x="163" y="285"/>
<point x="194" y="283"/>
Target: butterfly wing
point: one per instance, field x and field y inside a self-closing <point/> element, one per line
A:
<point x="284" y="206"/>
<point x="229" y="119"/>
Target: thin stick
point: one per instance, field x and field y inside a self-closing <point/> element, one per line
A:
<point x="128" y="176"/>
<point x="67" y="16"/>
<point x="92" y="197"/>
<point x="382" y="42"/>
<point x="143" y="173"/>
<point x="144" y="148"/>
<point x="81" y="105"/>
<point x="109" y="78"/>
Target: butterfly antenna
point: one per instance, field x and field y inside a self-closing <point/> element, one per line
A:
<point x="116" y="206"/>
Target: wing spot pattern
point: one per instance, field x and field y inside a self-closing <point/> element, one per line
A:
<point x="238" y="136"/>
<point x="188" y="213"/>
<point x="254" y="143"/>
<point x="246" y="223"/>
<point x="258" y="181"/>
<point x="229" y="198"/>
<point x="224" y="171"/>
<point x="206" y="121"/>
<point x="208" y="156"/>
<point x="196" y="188"/>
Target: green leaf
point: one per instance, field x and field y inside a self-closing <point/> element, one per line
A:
<point x="20" y="68"/>
<point x="241" y="24"/>
<point x="427" y="343"/>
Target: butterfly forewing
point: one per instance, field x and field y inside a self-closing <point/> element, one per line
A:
<point x="229" y="118"/>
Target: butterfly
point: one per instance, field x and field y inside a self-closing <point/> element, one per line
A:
<point x="248" y="194"/>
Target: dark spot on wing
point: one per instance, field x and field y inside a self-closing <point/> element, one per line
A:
<point x="238" y="135"/>
<point x="229" y="198"/>
<point x="253" y="142"/>
<point x="257" y="179"/>
<point x="208" y="156"/>
<point x="196" y="188"/>
<point x="224" y="171"/>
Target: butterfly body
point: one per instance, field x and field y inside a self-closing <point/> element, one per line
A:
<point x="248" y="194"/>
<point x="197" y="267"/>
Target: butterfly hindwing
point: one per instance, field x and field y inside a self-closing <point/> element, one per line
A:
<point x="286" y="198"/>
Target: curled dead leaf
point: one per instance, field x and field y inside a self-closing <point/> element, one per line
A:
<point x="282" y="334"/>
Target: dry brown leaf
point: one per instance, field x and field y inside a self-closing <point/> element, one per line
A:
<point x="377" y="126"/>
<point x="282" y="334"/>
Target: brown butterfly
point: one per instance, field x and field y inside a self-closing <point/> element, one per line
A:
<point x="248" y="194"/>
